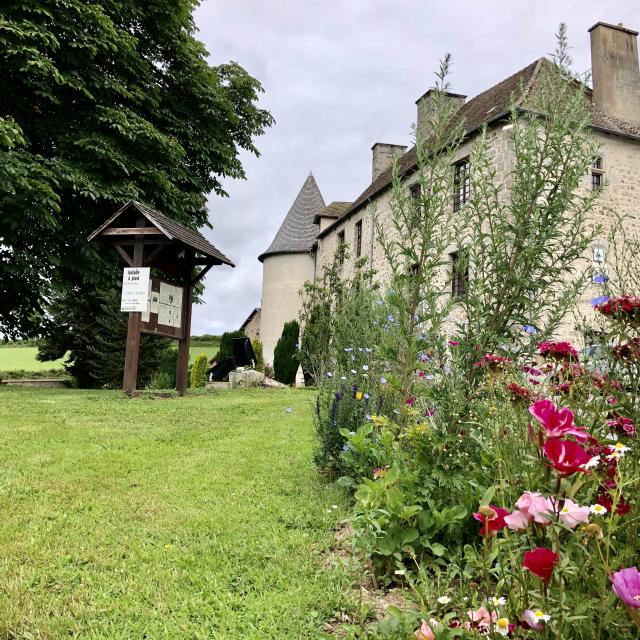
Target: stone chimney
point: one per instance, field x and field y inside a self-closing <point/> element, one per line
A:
<point x="615" y="71"/>
<point x="425" y="105"/>
<point x="383" y="157"/>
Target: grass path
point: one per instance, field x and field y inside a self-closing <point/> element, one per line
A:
<point x="189" y="518"/>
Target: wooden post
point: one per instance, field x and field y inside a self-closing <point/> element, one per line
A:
<point x="182" y="367"/>
<point x="135" y="322"/>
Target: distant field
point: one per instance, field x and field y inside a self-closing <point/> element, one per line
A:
<point x="24" y="358"/>
<point x="15" y="358"/>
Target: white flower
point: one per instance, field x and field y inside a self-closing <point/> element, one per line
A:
<point x="598" y="509"/>
<point x="535" y="617"/>
<point x="353" y="371"/>
<point x="365" y="367"/>
<point x="334" y="506"/>
<point x="502" y="626"/>
<point x="343" y="377"/>
<point x="592" y="463"/>
<point x="329" y="374"/>
<point x="611" y="436"/>
<point x="444" y="600"/>
<point x="618" y="450"/>
<point x="383" y="380"/>
<point x="498" y="602"/>
<point x="399" y="572"/>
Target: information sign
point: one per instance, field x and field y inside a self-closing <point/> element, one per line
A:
<point x="135" y="289"/>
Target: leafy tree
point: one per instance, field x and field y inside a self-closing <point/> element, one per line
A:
<point x="104" y="102"/>
<point x="199" y="371"/>
<point x="285" y="355"/>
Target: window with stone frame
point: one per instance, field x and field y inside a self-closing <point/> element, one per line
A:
<point x="459" y="274"/>
<point x="358" y="238"/>
<point x="461" y="183"/>
<point x="597" y="173"/>
<point x="341" y="247"/>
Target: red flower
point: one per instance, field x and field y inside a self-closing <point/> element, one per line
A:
<point x="623" y="506"/>
<point x="541" y="562"/>
<point x="558" y="423"/>
<point x="623" y="307"/>
<point x="493" y="361"/>
<point x="558" y="350"/>
<point x="519" y="392"/>
<point x="566" y="457"/>
<point x="492" y="519"/>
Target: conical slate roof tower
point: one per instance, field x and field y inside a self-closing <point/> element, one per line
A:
<point x="298" y="231"/>
<point x="287" y="264"/>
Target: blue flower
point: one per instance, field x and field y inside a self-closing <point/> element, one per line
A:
<point x="390" y="318"/>
<point x="599" y="300"/>
<point x="367" y="418"/>
<point x="528" y="328"/>
<point x="383" y="380"/>
<point x="348" y="349"/>
<point x="368" y="349"/>
<point x="601" y="278"/>
<point x="297" y="345"/>
<point x="366" y="396"/>
<point x="346" y="447"/>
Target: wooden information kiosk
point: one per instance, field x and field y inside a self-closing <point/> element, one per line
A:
<point x="147" y="239"/>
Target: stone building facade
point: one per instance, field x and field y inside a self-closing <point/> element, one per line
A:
<point x="615" y="111"/>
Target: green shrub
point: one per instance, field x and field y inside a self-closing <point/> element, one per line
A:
<point x="257" y="349"/>
<point x="199" y="371"/>
<point x="164" y="376"/>
<point x="285" y="360"/>
<point x="226" y="344"/>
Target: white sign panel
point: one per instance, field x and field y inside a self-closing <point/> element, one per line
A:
<point x="135" y="289"/>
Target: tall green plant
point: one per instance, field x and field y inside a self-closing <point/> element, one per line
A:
<point x="199" y="371"/>
<point x="285" y="360"/>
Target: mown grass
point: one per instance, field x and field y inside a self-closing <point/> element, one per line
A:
<point x="200" y="517"/>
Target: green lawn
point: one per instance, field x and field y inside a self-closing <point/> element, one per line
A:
<point x="200" y="517"/>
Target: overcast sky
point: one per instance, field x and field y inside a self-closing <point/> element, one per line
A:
<point x="340" y="75"/>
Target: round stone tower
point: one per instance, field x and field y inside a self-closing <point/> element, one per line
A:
<point x="287" y="264"/>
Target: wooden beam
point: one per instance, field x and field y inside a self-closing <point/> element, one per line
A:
<point x="154" y="253"/>
<point x="135" y="323"/>
<point x="131" y="231"/>
<point x="182" y="365"/>
<point x="201" y="275"/>
<point x="127" y="258"/>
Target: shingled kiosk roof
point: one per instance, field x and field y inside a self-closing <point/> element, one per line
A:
<point x="487" y="107"/>
<point x="297" y="234"/>
<point x="171" y="229"/>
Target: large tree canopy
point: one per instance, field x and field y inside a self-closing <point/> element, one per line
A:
<point x="103" y="102"/>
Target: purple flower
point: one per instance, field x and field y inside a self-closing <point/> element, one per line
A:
<point x="626" y="584"/>
<point x="528" y="328"/>
<point x="601" y="278"/>
<point x="428" y="412"/>
<point x="390" y="318"/>
<point x="367" y="418"/>
<point x="599" y="300"/>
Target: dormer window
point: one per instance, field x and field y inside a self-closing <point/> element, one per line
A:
<point x="461" y="184"/>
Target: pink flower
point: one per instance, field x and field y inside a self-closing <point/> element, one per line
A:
<point x="558" y="423"/>
<point x="532" y="507"/>
<point x="481" y="619"/>
<point x="573" y="514"/>
<point x="425" y="632"/>
<point x="453" y="343"/>
<point x="566" y="457"/>
<point x="626" y="584"/>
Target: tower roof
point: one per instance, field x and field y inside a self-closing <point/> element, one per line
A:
<point x="298" y="231"/>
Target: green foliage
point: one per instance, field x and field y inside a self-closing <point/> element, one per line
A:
<point x="226" y="344"/>
<point x="343" y="322"/>
<point x="164" y="377"/>
<point x="94" y="333"/>
<point x="257" y="349"/>
<point x="285" y="355"/>
<point x="102" y="103"/>
<point x="199" y="371"/>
